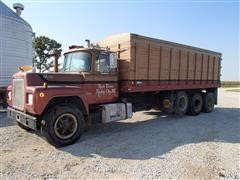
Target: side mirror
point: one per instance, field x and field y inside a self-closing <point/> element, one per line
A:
<point x="113" y="60"/>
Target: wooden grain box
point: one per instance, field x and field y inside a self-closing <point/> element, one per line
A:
<point x="144" y="58"/>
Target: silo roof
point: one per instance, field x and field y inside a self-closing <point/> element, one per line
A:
<point x="7" y="12"/>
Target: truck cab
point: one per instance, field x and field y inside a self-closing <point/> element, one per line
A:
<point x="62" y="103"/>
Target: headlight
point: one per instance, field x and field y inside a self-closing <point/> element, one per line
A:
<point x="9" y="95"/>
<point x="29" y="99"/>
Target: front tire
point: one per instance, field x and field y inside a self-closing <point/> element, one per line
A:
<point x="63" y="125"/>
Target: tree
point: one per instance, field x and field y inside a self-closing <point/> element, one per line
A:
<point x="43" y="45"/>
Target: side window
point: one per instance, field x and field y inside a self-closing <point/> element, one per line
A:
<point x="102" y="63"/>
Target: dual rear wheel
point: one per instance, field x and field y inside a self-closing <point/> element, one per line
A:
<point x="196" y="104"/>
<point x="193" y="104"/>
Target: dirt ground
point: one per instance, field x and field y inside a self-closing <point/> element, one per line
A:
<point x="150" y="145"/>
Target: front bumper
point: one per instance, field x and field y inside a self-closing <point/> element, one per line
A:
<point x="23" y="118"/>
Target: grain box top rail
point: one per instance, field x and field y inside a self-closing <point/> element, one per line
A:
<point x="173" y="43"/>
<point x="129" y="36"/>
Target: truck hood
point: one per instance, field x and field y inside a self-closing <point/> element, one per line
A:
<point x="38" y="79"/>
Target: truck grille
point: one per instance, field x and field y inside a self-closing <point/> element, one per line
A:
<point x="18" y="93"/>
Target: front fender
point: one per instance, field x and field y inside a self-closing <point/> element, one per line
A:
<point x="42" y="96"/>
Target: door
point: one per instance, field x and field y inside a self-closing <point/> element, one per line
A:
<point x="103" y="87"/>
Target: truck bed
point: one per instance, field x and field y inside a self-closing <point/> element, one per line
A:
<point x="148" y="64"/>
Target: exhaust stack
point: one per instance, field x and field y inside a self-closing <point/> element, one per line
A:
<point x="88" y="43"/>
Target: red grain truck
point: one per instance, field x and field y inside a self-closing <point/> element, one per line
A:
<point x="102" y="85"/>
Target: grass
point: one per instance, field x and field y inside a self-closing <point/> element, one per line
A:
<point x="233" y="86"/>
<point x="230" y="84"/>
<point x="234" y="90"/>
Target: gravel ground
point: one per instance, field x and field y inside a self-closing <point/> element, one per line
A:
<point x="150" y="145"/>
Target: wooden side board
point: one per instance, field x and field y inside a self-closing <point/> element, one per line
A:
<point x="143" y="58"/>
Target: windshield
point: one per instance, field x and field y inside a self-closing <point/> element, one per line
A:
<point x="77" y="61"/>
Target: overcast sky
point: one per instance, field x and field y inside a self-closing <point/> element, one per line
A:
<point x="211" y="25"/>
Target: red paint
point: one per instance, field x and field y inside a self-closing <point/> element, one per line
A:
<point x="148" y="86"/>
<point x="96" y="92"/>
<point x="89" y="93"/>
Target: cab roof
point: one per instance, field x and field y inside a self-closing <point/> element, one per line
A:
<point x="81" y="48"/>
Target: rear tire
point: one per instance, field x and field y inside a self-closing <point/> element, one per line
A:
<point x="208" y="102"/>
<point x="196" y="104"/>
<point x="181" y="103"/>
<point x="63" y="125"/>
<point x="24" y="127"/>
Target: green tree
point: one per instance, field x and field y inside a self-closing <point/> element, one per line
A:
<point x="43" y="45"/>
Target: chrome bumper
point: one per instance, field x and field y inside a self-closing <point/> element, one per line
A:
<point x="23" y="118"/>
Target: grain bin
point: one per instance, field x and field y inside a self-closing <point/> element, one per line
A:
<point x="15" y="42"/>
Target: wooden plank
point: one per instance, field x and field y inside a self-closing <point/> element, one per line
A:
<point x="198" y="66"/>
<point x="148" y="63"/>
<point x="195" y="66"/>
<point x="154" y="63"/>
<point x="214" y="59"/>
<point x="165" y="63"/>
<point x="135" y="60"/>
<point x="219" y="68"/>
<point x="160" y="62"/>
<point x="183" y="65"/>
<point x="191" y="65"/>
<point x="179" y="65"/>
<point x="208" y="68"/>
<point x="211" y="60"/>
<point x="202" y="68"/>
<point x="187" y="66"/>
<point x="174" y="64"/>
<point x="170" y="65"/>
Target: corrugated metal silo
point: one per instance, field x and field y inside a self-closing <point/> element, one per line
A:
<point x="15" y="43"/>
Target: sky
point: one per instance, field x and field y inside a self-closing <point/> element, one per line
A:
<point x="212" y="24"/>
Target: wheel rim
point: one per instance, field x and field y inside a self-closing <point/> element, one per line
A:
<point x="182" y="103"/>
<point x="65" y="126"/>
<point x="197" y="105"/>
<point x="210" y="103"/>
